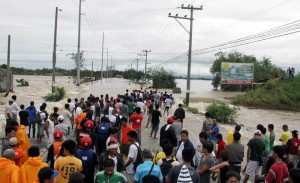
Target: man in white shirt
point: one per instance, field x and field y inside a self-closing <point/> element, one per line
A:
<point x="78" y="109"/>
<point x="67" y="117"/>
<point x="14" y="108"/>
<point x="141" y="105"/>
<point x="132" y="155"/>
<point x="61" y="126"/>
<point x="168" y="103"/>
<point x="41" y="125"/>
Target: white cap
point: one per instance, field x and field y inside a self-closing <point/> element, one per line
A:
<point x="257" y="132"/>
<point x="60" y="118"/>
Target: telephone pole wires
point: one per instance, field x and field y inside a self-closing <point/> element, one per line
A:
<point x="78" y="46"/>
<point x="137" y="64"/>
<point x="190" y="32"/>
<point x="102" y="58"/>
<point x="146" y="54"/>
<point x="54" y="46"/>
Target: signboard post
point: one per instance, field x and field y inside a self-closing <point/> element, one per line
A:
<point x="237" y="73"/>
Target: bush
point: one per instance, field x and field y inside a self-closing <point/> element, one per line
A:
<point x="224" y="113"/>
<point x="22" y="82"/>
<point x="193" y="110"/>
<point x="57" y="94"/>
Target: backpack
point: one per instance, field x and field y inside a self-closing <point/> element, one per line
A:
<point x="102" y="131"/>
<point x="165" y="167"/>
<point x="150" y="178"/>
<point x="38" y="118"/>
<point x="139" y="158"/>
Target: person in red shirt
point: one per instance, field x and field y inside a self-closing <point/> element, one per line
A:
<point x="137" y="119"/>
<point x="278" y="172"/>
<point x="294" y="143"/>
<point x="221" y="145"/>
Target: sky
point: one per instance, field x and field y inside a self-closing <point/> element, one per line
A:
<point x="131" y="26"/>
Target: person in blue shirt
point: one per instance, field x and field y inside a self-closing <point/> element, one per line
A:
<point x="214" y="131"/>
<point x="143" y="169"/>
<point x="88" y="158"/>
<point x="31" y="110"/>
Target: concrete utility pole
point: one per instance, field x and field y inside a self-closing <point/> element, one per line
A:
<point x="102" y="58"/>
<point x="107" y="63"/>
<point x="54" y="46"/>
<point x="92" y="70"/>
<point x="111" y="64"/>
<point x="8" y="84"/>
<point x="146" y="51"/>
<point x="191" y="8"/>
<point x="78" y="47"/>
<point x="137" y="64"/>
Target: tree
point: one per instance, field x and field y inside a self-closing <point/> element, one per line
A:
<point x="74" y="58"/>
<point x="263" y="69"/>
<point x="162" y="78"/>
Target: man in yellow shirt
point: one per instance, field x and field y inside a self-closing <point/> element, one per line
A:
<point x="230" y="134"/>
<point x="9" y="171"/>
<point x="69" y="163"/>
<point x="30" y="169"/>
<point x="22" y="137"/>
<point x="286" y="135"/>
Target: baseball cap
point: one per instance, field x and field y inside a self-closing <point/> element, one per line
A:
<point x="113" y="146"/>
<point x="13" y="141"/>
<point x="58" y="134"/>
<point x="76" y="177"/>
<point x="257" y="132"/>
<point x="60" y="118"/>
<point x="295" y="132"/>
<point x="47" y="173"/>
<point x="170" y="120"/>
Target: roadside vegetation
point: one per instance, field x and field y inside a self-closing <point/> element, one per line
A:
<point x="22" y="82"/>
<point x="58" y="93"/>
<point x="223" y="112"/>
<point x="275" y="94"/>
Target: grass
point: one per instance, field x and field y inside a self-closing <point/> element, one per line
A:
<point x="193" y="110"/>
<point x="204" y="100"/>
<point x="275" y="94"/>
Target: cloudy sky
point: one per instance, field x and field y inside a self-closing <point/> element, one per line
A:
<point x="131" y="26"/>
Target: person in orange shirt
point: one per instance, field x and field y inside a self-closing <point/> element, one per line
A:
<point x="13" y="142"/>
<point x="30" y="169"/>
<point x="67" y="163"/>
<point x="22" y="137"/>
<point x="125" y="143"/>
<point x="9" y="171"/>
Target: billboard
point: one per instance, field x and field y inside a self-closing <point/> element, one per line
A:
<point x="237" y="73"/>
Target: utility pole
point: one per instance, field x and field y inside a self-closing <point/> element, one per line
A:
<point x="107" y="63"/>
<point x="137" y="64"/>
<point x="54" y="46"/>
<point x="78" y="47"/>
<point x="146" y="51"/>
<point x="8" y="80"/>
<point x="92" y="70"/>
<point x="111" y="66"/>
<point x="191" y="8"/>
<point x="102" y="58"/>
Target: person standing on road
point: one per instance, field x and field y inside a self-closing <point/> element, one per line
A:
<point x="32" y="112"/>
<point x="8" y="113"/>
<point x="183" y="144"/>
<point x="207" y="123"/>
<point x="23" y="116"/>
<point x="155" y="120"/>
<point x="9" y="133"/>
<point x="180" y="114"/>
<point x="14" y="108"/>
<point x="235" y="153"/>
<point x="214" y="131"/>
<point x="137" y="119"/>
<point x="286" y="135"/>
<point x="67" y="117"/>
<point x="9" y="171"/>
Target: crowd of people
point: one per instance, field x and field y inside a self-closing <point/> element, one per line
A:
<point x="99" y="139"/>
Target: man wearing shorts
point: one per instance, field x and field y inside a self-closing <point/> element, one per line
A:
<point x="255" y="150"/>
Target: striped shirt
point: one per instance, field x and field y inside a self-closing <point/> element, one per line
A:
<point x="116" y="177"/>
<point x="144" y="169"/>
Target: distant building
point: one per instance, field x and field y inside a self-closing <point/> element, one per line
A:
<point x="3" y="80"/>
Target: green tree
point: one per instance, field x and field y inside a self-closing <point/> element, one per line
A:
<point x="132" y="74"/>
<point x="73" y="56"/>
<point x="263" y="69"/>
<point x="162" y="78"/>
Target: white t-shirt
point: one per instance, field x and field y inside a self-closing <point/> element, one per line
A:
<point x="115" y="160"/>
<point x="140" y="105"/>
<point x="110" y="110"/>
<point x="78" y="111"/>
<point x="133" y="152"/>
<point x="67" y="117"/>
<point x="50" y="131"/>
<point x="179" y="152"/>
<point x="168" y="102"/>
<point x="43" y="117"/>
<point x="71" y="106"/>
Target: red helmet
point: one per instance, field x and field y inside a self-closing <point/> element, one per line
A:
<point x="86" y="141"/>
<point x="58" y="134"/>
<point x="89" y="124"/>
